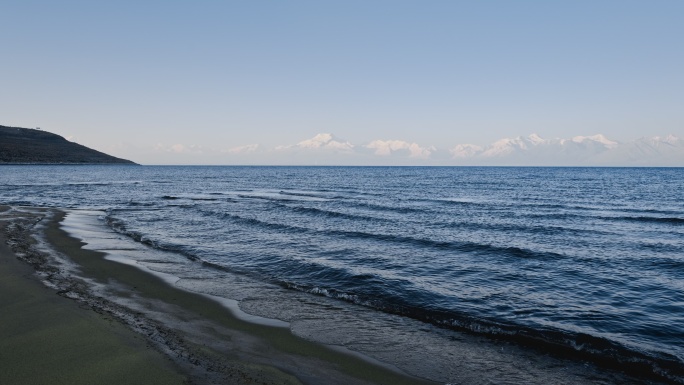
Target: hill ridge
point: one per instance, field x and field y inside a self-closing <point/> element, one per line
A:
<point x="20" y="145"/>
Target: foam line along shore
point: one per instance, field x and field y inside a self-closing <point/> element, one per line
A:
<point x="177" y="322"/>
<point x="542" y="262"/>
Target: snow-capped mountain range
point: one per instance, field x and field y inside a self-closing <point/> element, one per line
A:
<point x="321" y="142"/>
<point x="577" y="151"/>
<point x="532" y="150"/>
<point x="535" y="149"/>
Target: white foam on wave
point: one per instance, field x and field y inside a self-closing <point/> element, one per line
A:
<point x="89" y="227"/>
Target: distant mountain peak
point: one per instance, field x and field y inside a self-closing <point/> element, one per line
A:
<point x="598" y="138"/>
<point x="389" y="147"/>
<point x="465" y="150"/>
<point x="580" y="150"/>
<point x="322" y="141"/>
<point x="527" y="150"/>
<point x="669" y="139"/>
<point x="536" y="139"/>
<point x="508" y="146"/>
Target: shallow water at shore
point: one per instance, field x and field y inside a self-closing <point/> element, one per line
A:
<point x="391" y="341"/>
<point x="46" y="339"/>
<point x="585" y="258"/>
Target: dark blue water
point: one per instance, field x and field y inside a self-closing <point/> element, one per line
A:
<point x="587" y="260"/>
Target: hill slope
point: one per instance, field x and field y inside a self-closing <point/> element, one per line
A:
<point x="26" y="145"/>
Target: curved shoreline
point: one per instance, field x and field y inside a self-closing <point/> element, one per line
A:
<point x="46" y="338"/>
<point x="208" y="343"/>
<point x="203" y="339"/>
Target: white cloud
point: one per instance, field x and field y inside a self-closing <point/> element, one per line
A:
<point x="247" y="149"/>
<point x="388" y="147"/>
<point x="599" y="138"/>
<point x="179" y="148"/>
<point x="322" y="142"/>
<point x="595" y="150"/>
<point x="505" y="146"/>
<point x="532" y="150"/>
<point x="536" y="139"/>
<point x="465" y="151"/>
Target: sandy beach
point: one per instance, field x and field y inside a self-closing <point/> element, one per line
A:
<point x="46" y="338"/>
<point x="93" y="320"/>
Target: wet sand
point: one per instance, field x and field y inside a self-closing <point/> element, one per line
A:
<point x="114" y="323"/>
<point x="49" y="339"/>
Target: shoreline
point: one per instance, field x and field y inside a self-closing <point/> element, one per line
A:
<point x="203" y="340"/>
<point x="583" y="284"/>
<point x="46" y="338"/>
<point x="209" y="339"/>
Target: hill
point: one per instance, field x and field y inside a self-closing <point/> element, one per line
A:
<point x="29" y="146"/>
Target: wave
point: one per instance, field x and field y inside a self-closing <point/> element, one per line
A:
<point x="467" y="247"/>
<point x="452" y="202"/>
<point x="254" y="222"/>
<point x="664" y="264"/>
<point x="373" y="293"/>
<point x="507" y="204"/>
<point x="119" y="227"/>
<point x="677" y="221"/>
<point x="649" y="211"/>
<point x="574" y="210"/>
<point x="108" y="183"/>
<point x="494" y="204"/>
<point x="458" y="246"/>
<point x="379" y="207"/>
<point x="522" y="228"/>
<point x="192" y="198"/>
<point x="646" y="219"/>
<point x="306" y="195"/>
<point x="575" y="345"/>
<point x="141" y="204"/>
<point x="267" y="198"/>
<point x="333" y="214"/>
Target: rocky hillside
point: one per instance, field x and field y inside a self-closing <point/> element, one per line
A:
<point x="29" y="146"/>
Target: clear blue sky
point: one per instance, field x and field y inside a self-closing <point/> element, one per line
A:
<point x="126" y="76"/>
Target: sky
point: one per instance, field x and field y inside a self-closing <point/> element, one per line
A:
<point x="179" y="82"/>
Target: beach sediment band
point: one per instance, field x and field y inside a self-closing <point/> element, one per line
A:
<point x="201" y="340"/>
<point x="48" y="339"/>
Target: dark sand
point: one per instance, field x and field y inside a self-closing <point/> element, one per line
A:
<point x="48" y="339"/>
<point x="135" y="328"/>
